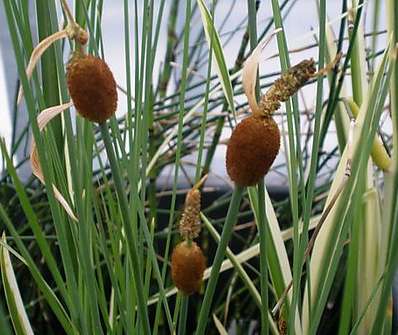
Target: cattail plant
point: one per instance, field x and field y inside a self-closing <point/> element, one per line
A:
<point x="254" y="143"/>
<point x="187" y="261"/>
<point x="82" y="246"/>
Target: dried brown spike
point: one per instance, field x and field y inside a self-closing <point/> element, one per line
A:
<point x="252" y="149"/>
<point x="92" y="87"/>
<point x="187" y="266"/>
<point x="286" y="86"/>
<point x="189" y="226"/>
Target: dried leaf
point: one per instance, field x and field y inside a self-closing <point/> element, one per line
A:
<point x="249" y="72"/>
<point x="219" y="326"/>
<point x="38" y="52"/>
<point x="42" y="119"/>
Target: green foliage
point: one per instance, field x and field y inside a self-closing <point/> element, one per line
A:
<point x="109" y="272"/>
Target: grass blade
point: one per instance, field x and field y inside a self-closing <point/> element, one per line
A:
<point x="214" y="42"/>
<point x="15" y="304"/>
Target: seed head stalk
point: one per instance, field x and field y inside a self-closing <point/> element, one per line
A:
<point x="221" y="249"/>
<point x="262" y="230"/>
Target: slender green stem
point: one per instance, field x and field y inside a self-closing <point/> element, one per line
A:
<point x="333" y="99"/>
<point x="391" y="188"/>
<point x="261" y="196"/>
<point x="262" y="231"/>
<point x="315" y="146"/>
<point x="294" y="164"/>
<point x="220" y="253"/>
<point x="182" y="324"/>
<point x="171" y="45"/>
<point x="143" y="312"/>
<point x="205" y="108"/>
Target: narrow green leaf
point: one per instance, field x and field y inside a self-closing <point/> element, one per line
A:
<point x="213" y="40"/>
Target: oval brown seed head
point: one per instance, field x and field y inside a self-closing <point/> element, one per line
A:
<point x="187" y="266"/>
<point x="92" y="87"/>
<point x="252" y="149"/>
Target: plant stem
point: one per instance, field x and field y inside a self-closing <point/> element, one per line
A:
<point x="262" y="231"/>
<point x="183" y="315"/>
<point x="128" y="229"/>
<point x="222" y="246"/>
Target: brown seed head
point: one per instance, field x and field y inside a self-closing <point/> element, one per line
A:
<point x="187" y="266"/>
<point x="189" y="226"/>
<point x="252" y="149"/>
<point x="282" y="326"/>
<point x="92" y="87"/>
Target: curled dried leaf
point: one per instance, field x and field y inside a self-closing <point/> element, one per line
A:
<point x="42" y="120"/>
<point x="38" y="52"/>
<point x="249" y="72"/>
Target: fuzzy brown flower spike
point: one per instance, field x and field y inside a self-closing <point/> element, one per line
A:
<point x="255" y="141"/>
<point x="187" y="261"/>
<point x="187" y="266"/>
<point x="92" y="87"/>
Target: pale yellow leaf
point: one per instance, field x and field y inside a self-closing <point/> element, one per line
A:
<point x="249" y="72"/>
<point x="38" y="52"/>
<point x="42" y="120"/>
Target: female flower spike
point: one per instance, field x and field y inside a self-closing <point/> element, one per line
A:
<point x="254" y="143"/>
<point x="187" y="266"/>
<point x="92" y="87"/>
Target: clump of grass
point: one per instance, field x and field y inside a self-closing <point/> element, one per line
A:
<point x="91" y="252"/>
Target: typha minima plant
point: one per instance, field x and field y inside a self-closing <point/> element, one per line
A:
<point x="76" y="264"/>
<point x="254" y="143"/>
<point x="91" y="85"/>
<point x="187" y="260"/>
<point x="92" y="88"/>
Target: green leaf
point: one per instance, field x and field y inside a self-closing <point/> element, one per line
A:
<point x="213" y="40"/>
